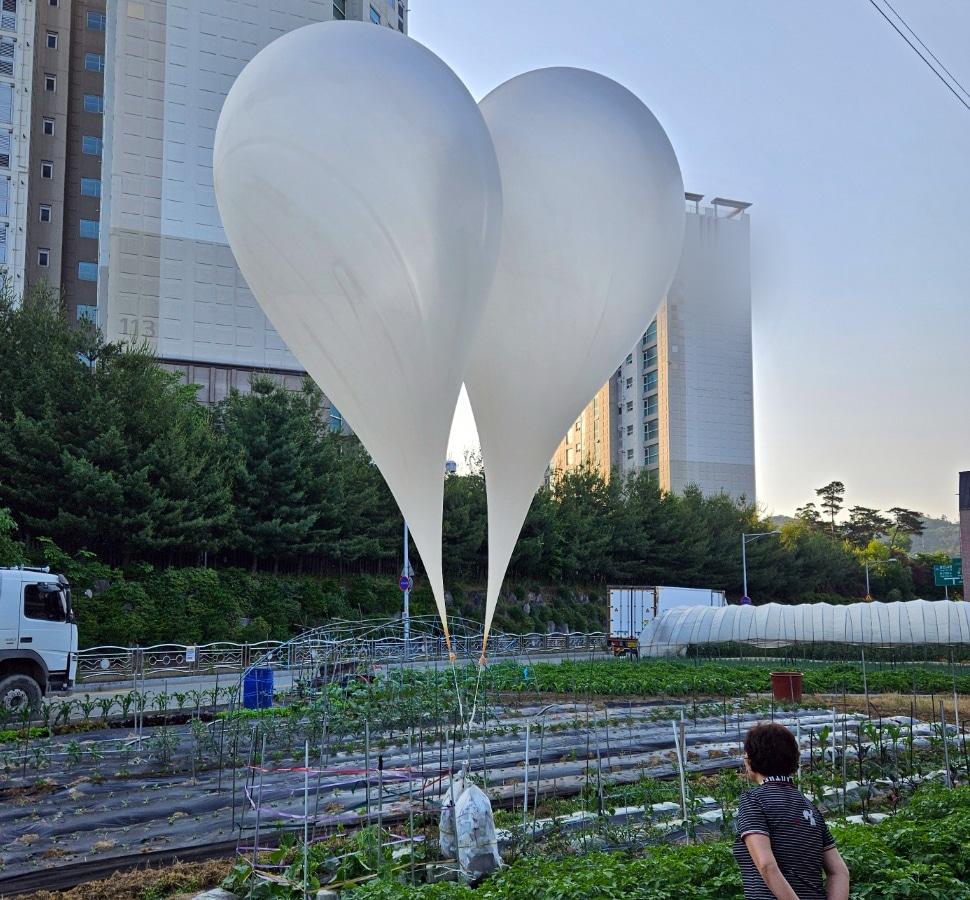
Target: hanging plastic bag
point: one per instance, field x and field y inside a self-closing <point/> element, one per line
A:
<point x="453" y="789"/>
<point x="475" y="830"/>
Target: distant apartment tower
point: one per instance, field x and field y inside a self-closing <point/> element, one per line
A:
<point x="589" y="441"/>
<point x="681" y="404"/>
<point x="18" y="49"/>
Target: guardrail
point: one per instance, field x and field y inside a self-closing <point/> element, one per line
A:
<point x="171" y="660"/>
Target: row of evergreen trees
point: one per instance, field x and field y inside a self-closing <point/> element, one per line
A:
<point x="104" y="451"/>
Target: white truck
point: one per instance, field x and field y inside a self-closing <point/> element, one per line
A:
<point x="38" y="638"/>
<point x="631" y="608"/>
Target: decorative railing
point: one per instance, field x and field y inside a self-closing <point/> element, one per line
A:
<point x="172" y="660"/>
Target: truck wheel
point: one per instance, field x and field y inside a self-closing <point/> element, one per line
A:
<point x="18" y="692"/>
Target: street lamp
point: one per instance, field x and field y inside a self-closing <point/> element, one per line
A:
<point x="868" y="595"/>
<point x="744" y="557"/>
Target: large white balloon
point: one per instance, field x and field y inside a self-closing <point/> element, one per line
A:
<point x="360" y="193"/>
<point x="592" y="229"/>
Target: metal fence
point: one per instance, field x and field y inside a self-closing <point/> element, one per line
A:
<point x="171" y="660"/>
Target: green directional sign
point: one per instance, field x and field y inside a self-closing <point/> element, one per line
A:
<point x="950" y="575"/>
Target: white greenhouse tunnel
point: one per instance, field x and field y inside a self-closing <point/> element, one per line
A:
<point x="778" y="625"/>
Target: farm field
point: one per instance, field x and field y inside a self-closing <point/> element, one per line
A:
<point x="577" y="758"/>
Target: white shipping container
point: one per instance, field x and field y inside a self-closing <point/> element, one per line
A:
<point x="630" y="610"/>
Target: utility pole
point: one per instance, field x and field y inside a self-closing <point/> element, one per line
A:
<point x="744" y="557"/>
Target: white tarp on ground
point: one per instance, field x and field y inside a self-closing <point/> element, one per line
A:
<point x="776" y="624"/>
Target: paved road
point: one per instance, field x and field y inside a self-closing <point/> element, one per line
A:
<point x="281" y="679"/>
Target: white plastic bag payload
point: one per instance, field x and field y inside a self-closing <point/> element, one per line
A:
<point x="475" y="829"/>
<point x="453" y="790"/>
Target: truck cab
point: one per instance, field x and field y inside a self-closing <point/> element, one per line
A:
<point x="38" y="638"/>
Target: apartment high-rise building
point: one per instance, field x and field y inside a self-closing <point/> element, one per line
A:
<point x="18" y="55"/>
<point x="681" y="403"/>
<point x="166" y="273"/>
<point x="107" y="119"/>
<point x="63" y="141"/>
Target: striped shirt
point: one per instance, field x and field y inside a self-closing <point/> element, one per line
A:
<point x="799" y="837"/>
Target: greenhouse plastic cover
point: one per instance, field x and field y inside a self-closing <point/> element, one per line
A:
<point x="776" y="625"/>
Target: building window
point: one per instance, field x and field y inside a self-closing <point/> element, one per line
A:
<point x="51" y="40"/>
<point x="45" y="212"/>
<point x="90" y="187"/>
<point x="629" y="359"/>
<point x="650" y="335"/>
<point x="94" y="62"/>
<point x="650" y="381"/>
<point x="650" y="406"/>
<point x="375" y="16"/>
<point x="96" y="20"/>
<point x="43" y="257"/>
<point x="48" y="126"/>
<point x="6" y="57"/>
<point x="89" y="228"/>
<point x="87" y="313"/>
<point x="53" y="3"/>
<point x="340" y="12"/>
<point x="87" y="271"/>
<point x="5" y="140"/>
<point x="46" y="169"/>
<point x="629" y="383"/>
<point x="569" y="456"/>
<point x="650" y="430"/>
<point x="649" y="357"/>
<point x="4" y="201"/>
<point x="6" y="103"/>
<point x="93" y="103"/>
<point x="91" y="145"/>
<point x="629" y="453"/>
<point x="629" y="430"/>
<point x="50" y="83"/>
<point x="651" y="455"/>
<point x="629" y="406"/>
<point x="8" y="15"/>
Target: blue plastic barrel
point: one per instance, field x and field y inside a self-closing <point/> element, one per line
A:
<point x="258" y="689"/>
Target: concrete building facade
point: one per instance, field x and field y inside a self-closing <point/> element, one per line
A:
<point x="19" y="56"/>
<point x="682" y="401"/>
<point x="166" y="273"/>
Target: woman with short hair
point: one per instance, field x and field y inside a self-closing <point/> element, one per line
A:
<point x="783" y="845"/>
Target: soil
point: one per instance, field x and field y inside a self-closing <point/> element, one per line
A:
<point x="186" y="878"/>
<point x="927" y="707"/>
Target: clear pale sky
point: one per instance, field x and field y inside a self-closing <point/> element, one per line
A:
<point x="857" y="161"/>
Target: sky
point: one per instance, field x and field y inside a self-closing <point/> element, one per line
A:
<point x="855" y="158"/>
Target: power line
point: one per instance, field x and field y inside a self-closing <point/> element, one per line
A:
<point x="916" y="50"/>
<point x="936" y="59"/>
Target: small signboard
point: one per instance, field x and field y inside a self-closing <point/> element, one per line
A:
<point x="190" y="654"/>
<point x="405" y="583"/>
<point x="950" y="575"/>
